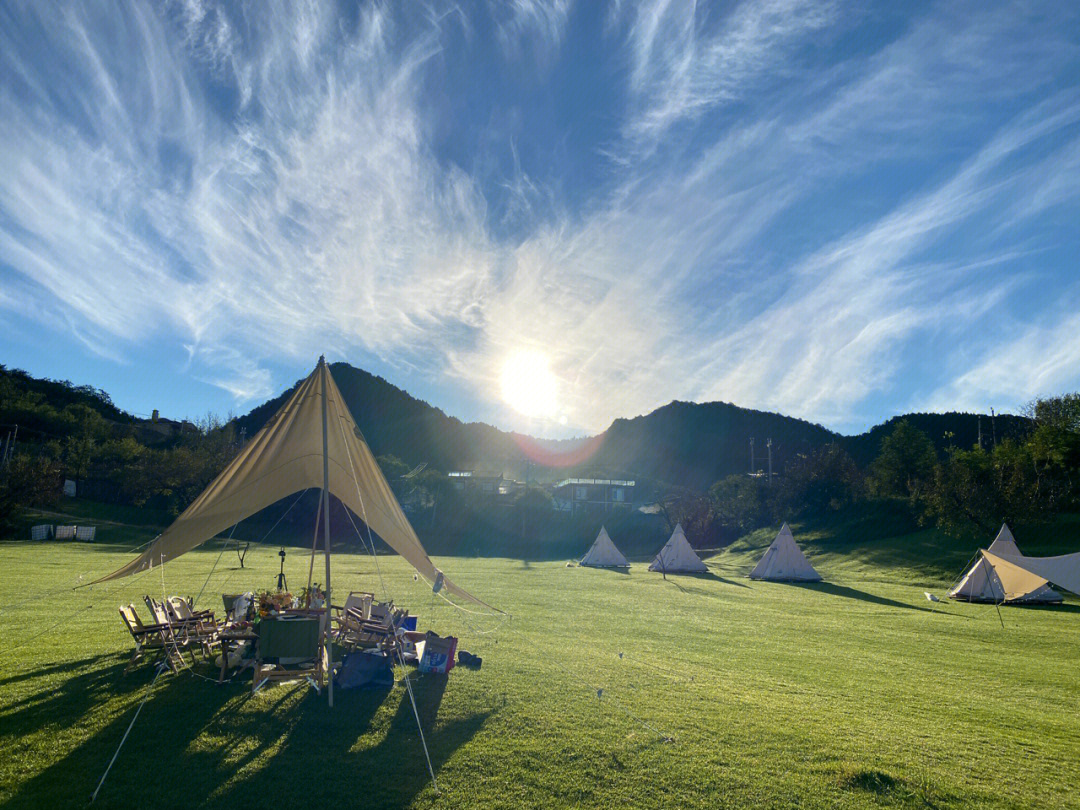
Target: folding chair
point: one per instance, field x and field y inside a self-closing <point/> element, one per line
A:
<point x="288" y="648"/>
<point x="148" y="637"/>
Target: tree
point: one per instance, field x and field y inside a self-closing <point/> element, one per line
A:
<point x="905" y="464"/>
<point x="827" y="480"/>
<point x="693" y="511"/>
<point x="978" y="489"/>
<point x="28" y="480"/>
<point x="533" y="507"/>
<point x="1055" y="446"/>
<point x="740" y="503"/>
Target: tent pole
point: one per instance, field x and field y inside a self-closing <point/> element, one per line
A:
<point x="327" y="645"/>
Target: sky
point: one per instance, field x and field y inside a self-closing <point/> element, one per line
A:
<point x="546" y="215"/>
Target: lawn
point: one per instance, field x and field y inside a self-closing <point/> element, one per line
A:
<point x="717" y="691"/>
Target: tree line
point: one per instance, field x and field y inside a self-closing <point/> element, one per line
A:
<point x="960" y="490"/>
<point x="1024" y="470"/>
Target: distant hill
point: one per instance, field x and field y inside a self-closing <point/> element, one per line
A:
<point x="697" y="444"/>
<point x="396" y="423"/>
<point x="683" y="443"/>
<point x="44" y="408"/>
<point x="691" y="444"/>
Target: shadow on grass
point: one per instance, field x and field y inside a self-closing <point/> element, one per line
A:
<point x="84" y="686"/>
<point x="854" y="593"/>
<point x="704" y="576"/>
<point x="198" y="744"/>
<point x="1061" y="607"/>
<point x="612" y="569"/>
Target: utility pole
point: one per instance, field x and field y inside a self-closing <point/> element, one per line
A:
<point x="980" y="433"/>
<point x="768" y="445"/>
<point x="993" y="427"/>
<point x="752" y="455"/>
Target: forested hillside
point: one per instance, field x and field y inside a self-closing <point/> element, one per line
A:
<point x="690" y="459"/>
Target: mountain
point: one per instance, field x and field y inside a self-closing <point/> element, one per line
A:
<point x="681" y="443"/>
<point x="396" y="423"/>
<point x="696" y="444"/>
<point x="691" y="444"/>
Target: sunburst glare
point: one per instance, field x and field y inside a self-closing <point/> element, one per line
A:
<point x="528" y="385"/>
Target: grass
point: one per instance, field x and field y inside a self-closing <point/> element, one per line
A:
<point x="852" y="693"/>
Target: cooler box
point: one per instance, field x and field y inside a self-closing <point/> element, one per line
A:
<point x="438" y="655"/>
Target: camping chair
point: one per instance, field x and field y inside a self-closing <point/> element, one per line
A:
<point x="180" y="633"/>
<point x="357" y="600"/>
<point x="288" y="649"/>
<point x="148" y="637"/>
<point x="199" y="626"/>
<point x="379" y="630"/>
<point x="182" y="610"/>
<point x="357" y="608"/>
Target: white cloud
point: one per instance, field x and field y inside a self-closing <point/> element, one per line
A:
<point x="315" y="214"/>
<point x="1040" y="360"/>
<point x="684" y="60"/>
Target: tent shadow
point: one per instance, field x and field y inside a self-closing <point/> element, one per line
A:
<point x="83" y="687"/>
<point x="284" y="742"/>
<point x="1061" y="607"/>
<point x="727" y="581"/>
<point x="610" y="568"/>
<point x="709" y="576"/>
<point x="854" y="593"/>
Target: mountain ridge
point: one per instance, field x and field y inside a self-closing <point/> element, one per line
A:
<point x="692" y="444"/>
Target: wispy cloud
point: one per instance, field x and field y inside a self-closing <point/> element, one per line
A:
<point x="796" y="204"/>
<point x="1027" y="362"/>
<point x="688" y="57"/>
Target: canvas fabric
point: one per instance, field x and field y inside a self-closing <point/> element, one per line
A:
<point x="285" y="457"/>
<point x="603" y="553"/>
<point x="784" y="561"/>
<point x="1018" y="572"/>
<point x="981" y="583"/>
<point x="677" y="556"/>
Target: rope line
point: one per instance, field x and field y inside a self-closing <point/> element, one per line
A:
<point x="386" y="593"/>
<point x="150" y="686"/>
<point x="65" y="588"/>
<point x="67" y="619"/>
<point x="213" y="568"/>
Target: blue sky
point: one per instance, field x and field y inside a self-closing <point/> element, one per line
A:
<point x="839" y="211"/>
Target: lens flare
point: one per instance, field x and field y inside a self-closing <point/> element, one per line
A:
<point x="528" y="386"/>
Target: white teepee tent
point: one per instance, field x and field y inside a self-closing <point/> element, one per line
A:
<point x="982" y="582"/>
<point x="603" y="554"/>
<point x="783" y="561"/>
<point x="677" y="556"/>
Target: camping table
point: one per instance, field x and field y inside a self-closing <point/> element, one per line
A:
<point x="233" y="638"/>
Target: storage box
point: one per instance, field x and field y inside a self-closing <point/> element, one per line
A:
<point x="438" y="654"/>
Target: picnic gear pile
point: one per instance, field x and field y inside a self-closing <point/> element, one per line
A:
<point x="312" y="442"/>
<point x="279" y="635"/>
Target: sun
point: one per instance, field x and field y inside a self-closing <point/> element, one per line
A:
<point x="528" y="386"/>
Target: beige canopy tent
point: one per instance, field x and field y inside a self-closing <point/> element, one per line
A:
<point x="981" y="582"/>
<point x="312" y="442"/>
<point x="1020" y="575"/>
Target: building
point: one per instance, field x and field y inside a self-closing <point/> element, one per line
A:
<point x="490" y="485"/>
<point x="593" y="495"/>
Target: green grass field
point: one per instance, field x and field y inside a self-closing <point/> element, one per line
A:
<point x="852" y="693"/>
